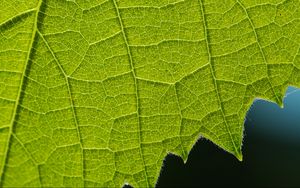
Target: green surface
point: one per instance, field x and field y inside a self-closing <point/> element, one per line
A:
<point x="96" y="93"/>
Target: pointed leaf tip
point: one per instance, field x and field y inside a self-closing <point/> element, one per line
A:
<point x="239" y="155"/>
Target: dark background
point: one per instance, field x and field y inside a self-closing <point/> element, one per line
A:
<point x="271" y="153"/>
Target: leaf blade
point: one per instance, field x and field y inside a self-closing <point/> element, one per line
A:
<point x="114" y="86"/>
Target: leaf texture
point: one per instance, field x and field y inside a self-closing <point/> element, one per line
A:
<point x="96" y="93"/>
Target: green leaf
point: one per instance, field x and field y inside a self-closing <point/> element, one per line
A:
<point x="96" y="93"/>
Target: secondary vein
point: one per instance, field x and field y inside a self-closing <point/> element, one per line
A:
<point x="13" y="120"/>
<point x="70" y="96"/>
<point x="18" y="16"/>
<point x="135" y="84"/>
<point x="260" y="49"/>
<point x="215" y="80"/>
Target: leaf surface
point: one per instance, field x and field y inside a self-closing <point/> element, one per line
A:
<point x="96" y="93"/>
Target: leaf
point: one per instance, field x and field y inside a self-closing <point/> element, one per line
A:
<point x="96" y="93"/>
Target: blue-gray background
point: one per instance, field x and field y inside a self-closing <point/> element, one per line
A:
<point x="271" y="151"/>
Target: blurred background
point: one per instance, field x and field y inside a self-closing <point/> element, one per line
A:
<point x="271" y="153"/>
